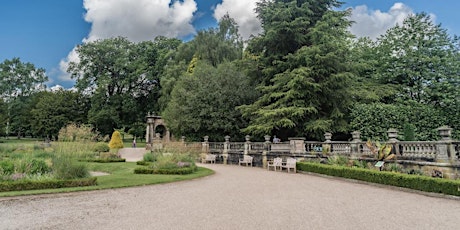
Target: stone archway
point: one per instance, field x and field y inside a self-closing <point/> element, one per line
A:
<point x="154" y="122"/>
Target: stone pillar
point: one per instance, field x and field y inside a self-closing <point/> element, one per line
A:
<point x="327" y="143"/>
<point x="149" y="131"/>
<point x="356" y="135"/>
<point x="205" y="145"/>
<point x="226" y="148"/>
<point x="393" y="140"/>
<point x="297" y="145"/>
<point x="266" y="150"/>
<point x="247" y="144"/>
<point x="444" y="147"/>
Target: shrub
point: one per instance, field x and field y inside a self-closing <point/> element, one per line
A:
<point x="143" y="162"/>
<point x="74" y="132"/>
<point x="38" y="166"/>
<point x="65" y="168"/>
<point x="6" y="186"/>
<point x="103" y="160"/>
<point x="168" y="171"/>
<point x="337" y="160"/>
<point x="116" y="142"/>
<point x="101" y="147"/>
<point x="422" y="183"/>
<point x="6" y="167"/>
<point x="108" y="155"/>
<point x="150" y="157"/>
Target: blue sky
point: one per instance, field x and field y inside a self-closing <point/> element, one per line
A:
<point x="45" y="32"/>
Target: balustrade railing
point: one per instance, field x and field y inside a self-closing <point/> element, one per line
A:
<point x="313" y="147"/>
<point x="257" y="146"/>
<point x="236" y="147"/>
<point x="342" y="148"/>
<point x="418" y="149"/>
<point x="216" y="146"/>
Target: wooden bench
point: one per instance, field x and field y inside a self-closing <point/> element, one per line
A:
<point x="276" y="163"/>
<point x="211" y="158"/>
<point x="246" y="160"/>
<point x="289" y="164"/>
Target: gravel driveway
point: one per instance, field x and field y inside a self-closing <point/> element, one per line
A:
<point x="235" y="198"/>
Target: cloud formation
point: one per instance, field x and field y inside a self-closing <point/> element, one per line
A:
<point x="373" y="23"/>
<point x="139" y="20"/>
<point x="244" y="14"/>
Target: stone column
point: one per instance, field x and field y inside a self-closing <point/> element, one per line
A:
<point x="247" y="144"/>
<point x="226" y="148"/>
<point x="356" y="135"/>
<point x="266" y="150"/>
<point x="393" y="140"/>
<point x="327" y="143"/>
<point x="444" y="147"/>
<point x="205" y="145"/>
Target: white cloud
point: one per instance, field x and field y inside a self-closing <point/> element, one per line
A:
<point x="373" y="23"/>
<point x="139" y="20"/>
<point x="244" y="14"/>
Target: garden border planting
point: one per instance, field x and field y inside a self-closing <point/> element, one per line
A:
<point x="421" y="183"/>
<point x="7" y="186"/>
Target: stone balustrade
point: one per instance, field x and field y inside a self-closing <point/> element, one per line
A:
<point x="442" y="151"/>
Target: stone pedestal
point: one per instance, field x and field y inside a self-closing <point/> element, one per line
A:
<point x="297" y="145"/>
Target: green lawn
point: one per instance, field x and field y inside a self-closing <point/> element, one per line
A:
<point x="121" y="175"/>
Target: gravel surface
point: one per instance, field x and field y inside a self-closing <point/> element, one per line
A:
<point x="236" y="198"/>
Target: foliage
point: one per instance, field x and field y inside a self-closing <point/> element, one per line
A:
<point x="150" y="156"/>
<point x="74" y="132"/>
<point x="307" y="94"/>
<point x="203" y="103"/>
<point x="101" y="147"/>
<point x="54" y="110"/>
<point x="337" y="160"/>
<point x="103" y="160"/>
<point x="115" y="141"/>
<point x="22" y="185"/>
<point x="423" y="60"/>
<point x="19" y="79"/>
<point x="209" y="47"/>
<point x="409" y="132"/>
<point x="121" y="77"/>
<point x="381" y="152"/>
<point x="422" y="183"/>
<point x="374" y="120"/>
<point x="66" y="168"/>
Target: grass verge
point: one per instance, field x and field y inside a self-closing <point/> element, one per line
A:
<point x="121" y="175"/>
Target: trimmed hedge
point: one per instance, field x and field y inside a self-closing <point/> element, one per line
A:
<point x="422" y="183"/>
<point x="103" y="160"/>
<point x="7" y="186"/>
<point x="168" y="171"/>
<point x="145" y="163"/>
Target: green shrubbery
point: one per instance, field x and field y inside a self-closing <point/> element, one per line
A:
<point x="101" y="147"/>
<point x="65" y="168"/>
<point x="166" y="163"/>
<point x="422" y="183"/>
<point x="6" y="186"/>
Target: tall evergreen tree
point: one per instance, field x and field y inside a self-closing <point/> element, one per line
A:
<point x="308" y="89"/>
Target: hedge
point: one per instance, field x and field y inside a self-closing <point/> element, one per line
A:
<point x="103" y="160"/>
<point x="169" y="171"/>
<point x="6" y="186"/>
<point x="417" y="182"/>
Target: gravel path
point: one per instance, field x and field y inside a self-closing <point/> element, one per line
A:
<point x="235" y="198"/>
